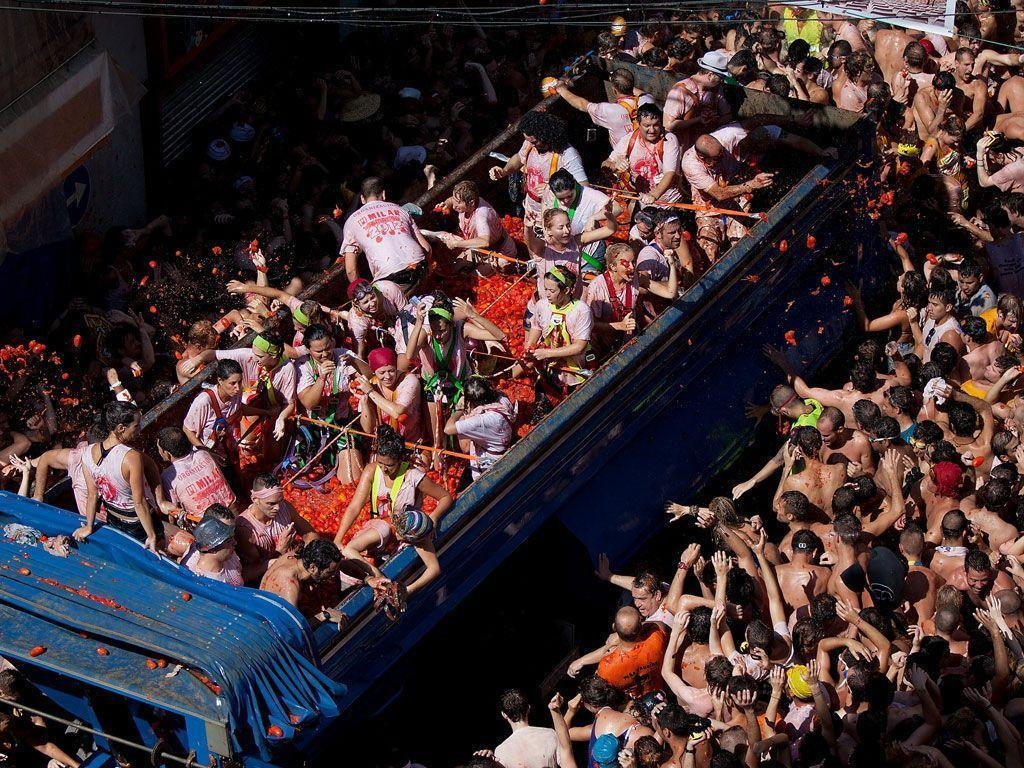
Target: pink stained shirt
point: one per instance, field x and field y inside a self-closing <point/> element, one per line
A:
<point x="195" y="482"/>
<point x="570" y="258"/>
<point x="77" y="475"/>
<point x="386" y="234"/>
<point x="202" y="415"/>
<point x="1009" y="178"/>
<point x="579" y="324"/>
<point x="392" y="300"/>
<point x="701" y="177"/>
<point x="485" y="222"/>
<point x="283" y="377"/>
<point x="334" y="399"/>
<point x="265" y="536"/>
<point x="614" y="116"/>
<point x="686" y="97"/>
<point x="648" y="165"/>
<point x="230" y="574"/>
<point x="599" y="298"/>
<point x="537" y="168"/>
<point x="408" y="393"/>
<point x="489" y="428"/>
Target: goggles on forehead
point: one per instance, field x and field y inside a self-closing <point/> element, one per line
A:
<point x="362" y="291"/>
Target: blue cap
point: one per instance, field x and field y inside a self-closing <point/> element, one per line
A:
<point x="605" y="752"/>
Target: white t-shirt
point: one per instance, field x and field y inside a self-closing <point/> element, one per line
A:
<point x="485" y="222"/>
<point x="529" y="747"/>
<point x="283" y="377"/>
<point x="730" y="136"/>
<point x="392" y="298"/>
<point x="386" y="234"/>
<point x="648" y="163"/>
<point x="489" y="429"/>
<point x="334" y="399"/>
<point x="592" y="201"/>
<point x="195" y="482"/>
<point x="579" y="324"/>
<point x="202" y="415"/>
<point x="537" y="168"/>
<point x="614" y="116"/>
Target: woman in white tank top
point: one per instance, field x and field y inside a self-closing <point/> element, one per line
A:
<point x="115" y="478"/>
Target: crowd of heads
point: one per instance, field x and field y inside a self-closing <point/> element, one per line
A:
<point x="867" y="610"/>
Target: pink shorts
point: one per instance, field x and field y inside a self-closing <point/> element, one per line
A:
<point x="381" y="528"/>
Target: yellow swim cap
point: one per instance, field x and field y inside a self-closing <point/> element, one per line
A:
<point x="799" y="688"/>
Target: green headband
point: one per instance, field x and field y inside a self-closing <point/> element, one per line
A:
<point x="262" y="344"/>
<point x="560" y="276"/>
<point x="442" y="312"/>
<point x="301" y="316"/>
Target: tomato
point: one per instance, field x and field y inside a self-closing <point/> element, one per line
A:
<point x="39" y="650"/>
<point x="275" y="732"/>
<point x="102" y="651"/>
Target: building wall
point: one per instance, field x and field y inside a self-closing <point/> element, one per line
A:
<point x="117" y="176"/>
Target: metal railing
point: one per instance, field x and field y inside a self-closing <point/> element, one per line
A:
<point x="156" y="753"/>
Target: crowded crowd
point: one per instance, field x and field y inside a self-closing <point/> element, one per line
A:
<point x="857" y="599"/>
<point x="866" y="611"/>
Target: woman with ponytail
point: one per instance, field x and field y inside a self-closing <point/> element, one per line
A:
<point x="391" y="484"/>
<point x="115" y="477"/>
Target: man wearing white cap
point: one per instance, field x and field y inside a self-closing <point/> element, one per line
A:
<point x="697" y="104"/>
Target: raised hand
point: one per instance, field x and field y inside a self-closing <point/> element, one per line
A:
<point x="604" y="569"/>
<point x="777" y="677"/>
<point x="744" y="699"/>
<point x="690" y="555"/>
<point x="720" y="560"/>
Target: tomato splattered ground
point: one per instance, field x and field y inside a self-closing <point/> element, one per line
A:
<point x="502" y="298"/>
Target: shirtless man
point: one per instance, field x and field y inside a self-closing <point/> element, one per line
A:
<point x="815" y="479"/>
<point x="890" y="52"/>
<point x="933" y="103"/>
<point x="864" y="382"/>
<point x="315" y="562"/>
<point x="974" y="88"/>
<point x="978" y="579"/>
<point x="697" y="651"/>
<point x="914" y="74"/>
<point x="268" y="528"/>
<point x="988" y="509"/>
<point x="982" y="348"/>
<point x="922" y="582"/>
<point x="941" y="491"/>
<point x="860" y="71"/>
<point x="843" y="445"/>
<point x="794" y="510"/>
<point x="971" y="426"/>
<point x="802" y="579"/>
<point x="948" y="557"/>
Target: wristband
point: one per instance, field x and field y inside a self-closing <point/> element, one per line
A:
<point x="115" y="385"/>
<point x="262" y="269"/>
<point x="124" y="396"/>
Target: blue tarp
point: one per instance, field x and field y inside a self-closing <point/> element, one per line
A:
<point x="255" y="649"/>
